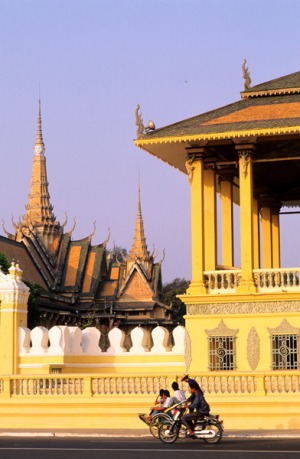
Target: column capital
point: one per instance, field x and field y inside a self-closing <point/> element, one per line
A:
<point x="272" y="203"/>
<point x="197" y="153"/>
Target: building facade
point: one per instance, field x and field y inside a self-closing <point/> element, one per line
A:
<point x="246" y="318"/>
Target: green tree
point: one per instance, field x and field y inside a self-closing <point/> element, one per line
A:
<point x="118" y="253"/>
<point x="34" y="318"/>
<point x="170" y="290"/>
<point x="4" y="262"/>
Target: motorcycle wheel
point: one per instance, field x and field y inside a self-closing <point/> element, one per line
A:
<point x="218" y="433"/>
<point x="156" y="422"/>
<point x="168" y="432"/>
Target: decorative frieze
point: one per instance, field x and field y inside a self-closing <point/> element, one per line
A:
<point x="213" y="309"/>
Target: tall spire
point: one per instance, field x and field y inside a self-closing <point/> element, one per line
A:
<point x="39" y="216"/>
<point x="39" y="144"/>
<point x="139" y="246"/>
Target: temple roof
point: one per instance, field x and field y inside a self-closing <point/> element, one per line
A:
<point x="284" y="85"/>
<point x="268" y="109"/>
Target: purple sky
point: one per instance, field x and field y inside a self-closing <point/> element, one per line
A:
<point x="94" y="60"/>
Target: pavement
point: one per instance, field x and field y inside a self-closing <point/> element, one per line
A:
<point x="138" y="433"/>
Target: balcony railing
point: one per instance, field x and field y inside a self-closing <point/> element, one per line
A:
<point x="277" y="280"/>
<point x="222" y="281"/>
<point x="266" y="280"/>
<point x="214" y="383"/>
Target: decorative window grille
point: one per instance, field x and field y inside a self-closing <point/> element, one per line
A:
<point x="285" y="352"/>
<point x="221" y="353"/>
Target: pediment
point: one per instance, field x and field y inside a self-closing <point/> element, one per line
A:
<point x="136" y="287"/>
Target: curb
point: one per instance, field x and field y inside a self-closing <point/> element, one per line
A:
<point x="129" y="435"/>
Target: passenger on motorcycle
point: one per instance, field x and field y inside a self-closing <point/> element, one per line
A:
<point x="198" y="408"/>
<point x="157" y="408"/>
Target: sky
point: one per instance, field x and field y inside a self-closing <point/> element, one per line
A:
<point x="91" y="62"/>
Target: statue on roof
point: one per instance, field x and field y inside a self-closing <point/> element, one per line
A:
<point x="246" y="76"/>
<point x="141" y="129"/>
<point x="139" y="122"/>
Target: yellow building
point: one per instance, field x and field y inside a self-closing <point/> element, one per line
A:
<point x="243" y="321"/>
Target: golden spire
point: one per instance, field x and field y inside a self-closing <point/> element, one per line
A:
<point x="139" y="246"/>
<point x="39" y="146"/>
<point x="39" y="217"/>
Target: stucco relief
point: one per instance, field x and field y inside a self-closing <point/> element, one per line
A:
<point x="242" y="308"/>
<point x="187" y="350"/>
<point x="253" y="348"/>
<point x="222" y="330"/>
<point x="284" y="327"/>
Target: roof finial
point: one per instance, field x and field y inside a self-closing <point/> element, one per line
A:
<point x="39" y="146"/>
<point x="246" y="76"/>
<point x="139" y="246"/>
<point x="141" y="129"/>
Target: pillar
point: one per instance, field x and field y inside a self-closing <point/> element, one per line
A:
<point x="275" y="239"/>
<point x="266" y="229"/>
<point x="194" y="165"/>
<point x="227" y="231"/>
<point x="13" y="299"/>
<point x="246" y="283"/>
<point x="210" y="220"/>
<point x="256" y="235"/>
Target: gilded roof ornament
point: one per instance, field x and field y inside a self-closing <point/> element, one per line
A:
<point x="107" y="239"/>
<point x="246" y="76"/>
<point x="9" y="235"/>
<point x="141" y="129"/>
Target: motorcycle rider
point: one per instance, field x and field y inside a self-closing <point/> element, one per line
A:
<point x="198" y="408"/>
<point x="190" y="381"/>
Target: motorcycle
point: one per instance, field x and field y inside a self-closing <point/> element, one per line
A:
<point x="210" y="429"/>
<point x="155" y="422"/>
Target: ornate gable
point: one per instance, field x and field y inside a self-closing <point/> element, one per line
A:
<point x="136" y="287"/>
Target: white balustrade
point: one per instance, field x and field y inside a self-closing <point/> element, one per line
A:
<point x="39" y="339"/>
<point x="160" y="336"/>
<point x="140" y="339"/>
<point x="24" y="340"/>
<point x="116" y="338"/>
<point x="222" y="281"/>
<point x="90" y="341"/>
<point x="59" y="337"/>
<point x="63" y="340"/>
<point x="277" y="280"/>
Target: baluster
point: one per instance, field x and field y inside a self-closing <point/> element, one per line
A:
<point x="67" y="387"/>
<point x="222" y="276"/>
<point x="264" y="275"/>
<point x="275" y="384"/>
<point x="253" y="384"/>
<point x="15" y="387"/>
<point x="230" y="384"/>
<point x="210" y="282"/>
<point x="239" y="384"/>
<point x="127" y="385"/>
